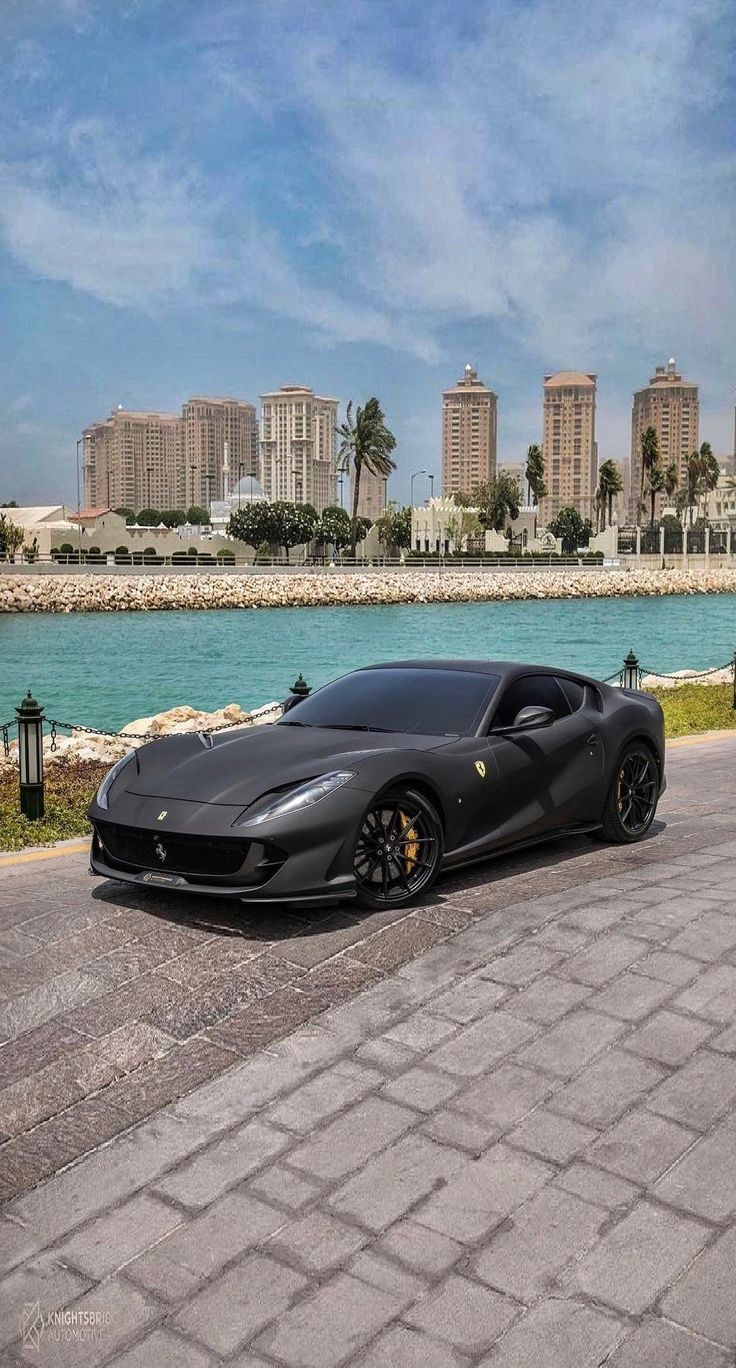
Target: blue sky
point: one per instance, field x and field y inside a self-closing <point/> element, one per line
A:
<point x="361" y="196"/>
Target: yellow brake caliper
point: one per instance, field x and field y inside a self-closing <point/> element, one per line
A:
<point x="411" y="849"/>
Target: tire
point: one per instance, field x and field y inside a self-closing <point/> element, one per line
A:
<point x="398" y="849"/>
<point x="632" y="798"/>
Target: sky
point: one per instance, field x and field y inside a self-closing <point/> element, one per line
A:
<point x="360" y="196"/>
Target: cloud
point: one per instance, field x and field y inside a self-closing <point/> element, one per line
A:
<point x="555" y="171"/>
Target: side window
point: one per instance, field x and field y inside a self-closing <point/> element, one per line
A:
<point x="574" y="693"/>
<point x="542" y="691"/>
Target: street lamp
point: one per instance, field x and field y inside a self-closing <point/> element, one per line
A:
<point x="385" y="493"/>
<point x="341" y="482"/>
<point x="241" y="468"/>
<point x="30" y="756"/>
<point x="431" y="486"/>
<point x="209" y="477"/>
<point x="193" y="472"/>
<point x="79" y="505"/>
<point x="413" y="478"/>
<point x="149" y="472"/>
<point x="630" y="672"/>
<point x="298" y="484"/>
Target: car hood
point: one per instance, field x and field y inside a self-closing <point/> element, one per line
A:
<point x="238" y="767"/>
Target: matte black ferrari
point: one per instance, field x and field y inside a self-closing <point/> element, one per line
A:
<point x="371" y="786"/>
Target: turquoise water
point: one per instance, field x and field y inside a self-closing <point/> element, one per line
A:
<point x="104" y="669"/>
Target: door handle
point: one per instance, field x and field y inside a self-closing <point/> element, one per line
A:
<point x="592" y="739"/>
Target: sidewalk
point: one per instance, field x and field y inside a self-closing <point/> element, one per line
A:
<point x="503" y="1131"/>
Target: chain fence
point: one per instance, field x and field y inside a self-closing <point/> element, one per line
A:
<point x="56" y="725"/>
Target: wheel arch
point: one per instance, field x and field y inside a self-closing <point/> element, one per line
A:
<point x="423" y="785"/>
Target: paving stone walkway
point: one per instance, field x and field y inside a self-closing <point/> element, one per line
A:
<point x="499" y="1130"/>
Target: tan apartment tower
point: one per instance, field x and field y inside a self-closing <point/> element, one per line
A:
<point x="220" y="447"/>
<point x="298" y="446"/>
<point x="671" y="406"/>
<point x="133" y="460"/>
<point x="568" y="443"/>
<point x="469" y="434"/>
<point x="372" y="495"/>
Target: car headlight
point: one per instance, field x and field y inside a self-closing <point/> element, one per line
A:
<point x="306" y="795"/>
<point x="102" y="798"/>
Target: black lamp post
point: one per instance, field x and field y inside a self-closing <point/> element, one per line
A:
<point x="30" y="755"/>
<point x="300" y="688"/>
<point x="630" y="672"/>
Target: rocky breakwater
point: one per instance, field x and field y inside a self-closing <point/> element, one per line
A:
<point x="84" y="745"/>
<point x="92" y="593"/>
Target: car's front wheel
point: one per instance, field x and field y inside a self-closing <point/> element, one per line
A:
<point x="399" y="849"/>
<point x="632" y="798"/>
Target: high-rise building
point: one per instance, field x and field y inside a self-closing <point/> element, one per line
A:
<point x="298" y="446"/>
<point x="134" y="459"/>
<point x="371" y="495"/>
<point x="568" y="444"/>
<point x="220" y="446"/>
<point x="670" y="405"/>
<point x="469" y="434"/>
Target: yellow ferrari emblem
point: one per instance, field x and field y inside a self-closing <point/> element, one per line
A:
<point x="480" y="768"/>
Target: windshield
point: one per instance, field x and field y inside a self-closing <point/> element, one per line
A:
<point x="426" y="702"/>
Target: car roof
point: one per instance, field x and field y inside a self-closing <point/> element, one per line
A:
<point x="505" y="668"/>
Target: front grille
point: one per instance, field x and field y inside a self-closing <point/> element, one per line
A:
<point x="203" y="858"/>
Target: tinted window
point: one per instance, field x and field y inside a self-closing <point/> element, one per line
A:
<point x="541" y="691"/>
<point x="426" y="702"/>
<point x="574" y="693"/>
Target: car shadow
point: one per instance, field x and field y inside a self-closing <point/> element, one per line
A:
<point x="225" y="917"/>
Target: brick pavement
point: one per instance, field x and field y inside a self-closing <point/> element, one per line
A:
<point x="503" y="1131"/>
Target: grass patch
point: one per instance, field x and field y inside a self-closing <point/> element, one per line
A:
<point x="69" y="790"/>
<point x="692" y="708"/>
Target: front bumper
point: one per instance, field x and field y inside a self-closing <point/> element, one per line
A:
<point x="307" y="857"/>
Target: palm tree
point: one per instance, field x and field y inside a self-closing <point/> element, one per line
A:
<point x="610" y="483"/>
<point x="650" y="458"/>
<point x="710" y="473"/>
<point x="365" y="443"/>
<point x="656" y="486"/>
<point x="534" y="473"/>
<point x="671" y="479"/>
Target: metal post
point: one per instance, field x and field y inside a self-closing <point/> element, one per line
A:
<point x="300" y="688"/>
<point x="79" y="506"/>
<point x="30" y="757"/>
<point x="631" y="674"/>
<point x="734" y="682"/>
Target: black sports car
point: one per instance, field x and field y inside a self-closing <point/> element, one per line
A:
<point x="369" y="787"/>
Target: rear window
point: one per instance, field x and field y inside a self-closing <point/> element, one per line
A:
<point x="425" y="702"/>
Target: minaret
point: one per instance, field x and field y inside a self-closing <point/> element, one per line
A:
<point x="226" y="470"/>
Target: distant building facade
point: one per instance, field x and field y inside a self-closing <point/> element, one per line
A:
<point x="469" y="434"/>
<point x="671" y="406"/>
<point x="133" y="459"/>
<point x="298" y="446"/>
<point x="372" y="495"/>
<point x="568" y="444"/>
<point x="166" y="460"/>
<point x="220" y="438"/>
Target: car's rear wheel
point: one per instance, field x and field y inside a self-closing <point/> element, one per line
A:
<point x="632" y="798"/>
<point x="399" y="849"/>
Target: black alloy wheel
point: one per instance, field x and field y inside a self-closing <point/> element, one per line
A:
<point x="633" y="796"/>
<point x="399" y="849"/>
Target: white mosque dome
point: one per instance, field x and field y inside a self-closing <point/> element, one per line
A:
<point x="248" y="490"/>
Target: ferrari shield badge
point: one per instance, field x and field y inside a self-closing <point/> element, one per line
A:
<point x="479" y="765"/>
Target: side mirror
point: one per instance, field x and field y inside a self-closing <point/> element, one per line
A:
<point x="527" y="719"/>
<point x="533" y="716"/>
<point x="290" y="703"/>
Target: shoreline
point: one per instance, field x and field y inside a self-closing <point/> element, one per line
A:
<point x="160" y="593"/>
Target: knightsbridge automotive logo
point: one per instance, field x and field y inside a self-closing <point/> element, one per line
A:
<point x="63" y="1325"/>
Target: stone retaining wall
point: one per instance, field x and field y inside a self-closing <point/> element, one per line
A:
<point x="94" y="594"/>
